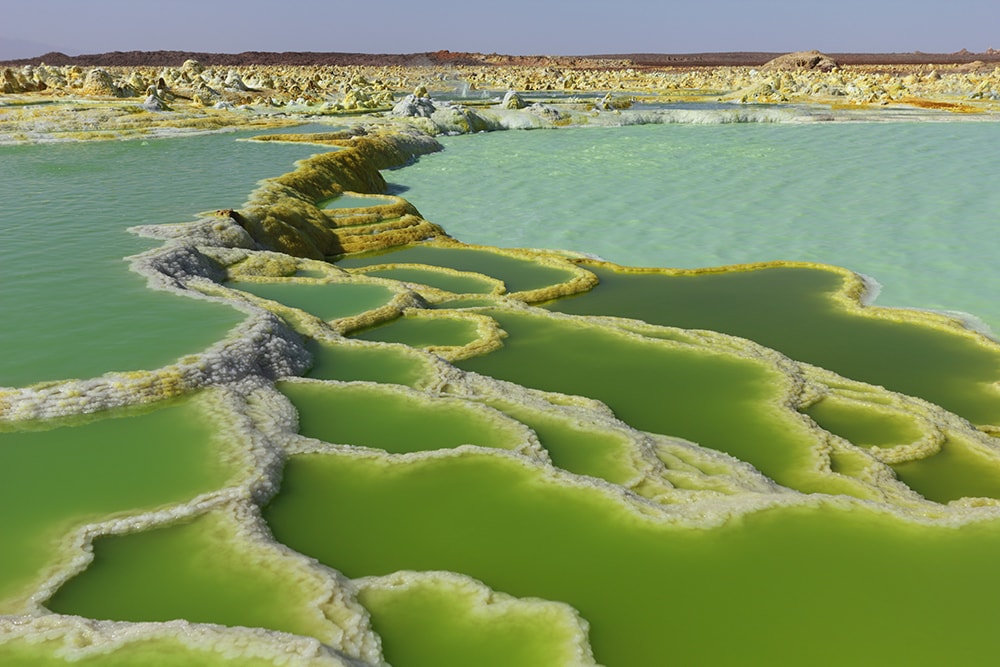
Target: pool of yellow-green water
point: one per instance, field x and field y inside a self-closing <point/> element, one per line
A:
<point x="419" y="331"/>
<point x="194" y="570"/>
<point x="518" y="274"/>
<point x="430" y="624"/>
<point x="328" y="301"/>
<point x="818" y="586"/>
<point x="372" y="363"/>
<point x="864" y="425"/>
<point x="718" y="401"/>
<point x="60" y="476"/>
<point x="463" y="283"/>
<point x="791" y="310"/>
<point x="360" y="415"/>
<point x="954" y="472"/>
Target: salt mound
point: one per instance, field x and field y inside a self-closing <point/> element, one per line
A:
<point x="100" y="83"/>
<point x="802" y="60"/>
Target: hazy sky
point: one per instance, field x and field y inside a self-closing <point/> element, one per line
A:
<point x="563" y="27"/>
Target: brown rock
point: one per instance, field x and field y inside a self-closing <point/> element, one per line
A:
<point x="812" y="60"/>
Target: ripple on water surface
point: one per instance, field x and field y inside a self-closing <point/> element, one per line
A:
<point x="907" y="203"/>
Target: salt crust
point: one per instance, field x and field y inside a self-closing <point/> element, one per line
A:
<point x="712" y="487"/>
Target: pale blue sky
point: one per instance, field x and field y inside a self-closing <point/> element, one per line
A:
<point x="564" y="27"/>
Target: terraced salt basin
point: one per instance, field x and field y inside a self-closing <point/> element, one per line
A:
<point x="444" y="623"/>
<point x="716" y="400"/>
<point x="160" y="652"/>
<point x="57" y="476"/>
<point x="505" y="524"/>
<point x="459" y="283"/>
<point x="578" y="448"/>
<point x="503" y="516"/>
<point x="200" y="570"/>
<point x="373" y="363"/>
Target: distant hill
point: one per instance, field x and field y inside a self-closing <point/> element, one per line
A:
<point x="755" y="59"/>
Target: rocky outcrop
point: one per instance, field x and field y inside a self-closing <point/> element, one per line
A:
<point x="284" y="213"/>
<point x="23" y="81"/>
<point x="811" y="60"/>
<point x="153" y="101"/>
<point x="100" y="83"/>
<point x="9" y="82"/>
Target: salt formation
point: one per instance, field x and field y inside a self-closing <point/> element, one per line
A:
<point x="512" y="100"/>
<point x="811" y="77"/>
<point x="809" y="60"/>
<point x="413" y="105"/>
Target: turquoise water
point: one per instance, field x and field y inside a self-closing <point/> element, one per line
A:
<point x="913" y="205"/>
<point x="71" y="307"/>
